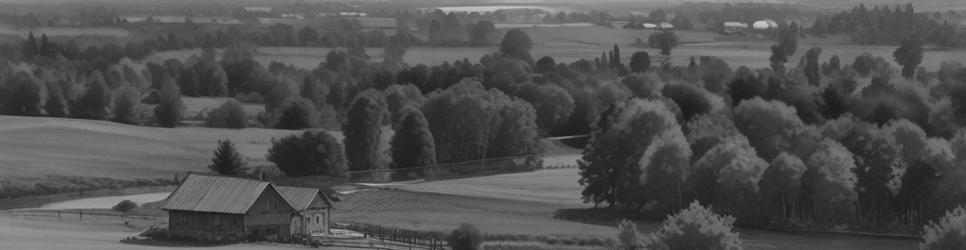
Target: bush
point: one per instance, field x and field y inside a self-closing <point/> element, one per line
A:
<point x="124" y="206"/>
<point x="298" y="113"/>
<point x="466" y="237"/>
<point x="231" y="114"/>
<point x="628" y="236"/>
<point x="948" y="233"/>
<point x="696" y="227"/>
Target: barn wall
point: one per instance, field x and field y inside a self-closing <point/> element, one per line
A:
<point x="191" y="224"/>
<point x="270" y="215"/>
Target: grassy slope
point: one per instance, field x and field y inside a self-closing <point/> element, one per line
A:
<point x="36" y="234"/>
<point x="32" y="147"/>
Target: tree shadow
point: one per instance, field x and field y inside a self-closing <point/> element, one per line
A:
<point x="609" y="217"/>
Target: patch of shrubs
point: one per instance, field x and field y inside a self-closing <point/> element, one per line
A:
<point x="466" y="237"/>
<point x="231" y="114"/>
<point x="124" y="206"/>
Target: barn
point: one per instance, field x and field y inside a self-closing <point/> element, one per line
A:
<point x="237" y="208"/>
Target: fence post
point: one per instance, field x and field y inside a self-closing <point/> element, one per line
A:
<point x="58" y="215"/>
<point x="81" y="213"/>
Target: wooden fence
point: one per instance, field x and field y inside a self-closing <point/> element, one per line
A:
<point x="412" y="238"/>
<point x="74" y="215"/>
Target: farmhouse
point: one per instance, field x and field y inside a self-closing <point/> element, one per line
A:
<point x="237" y="208"/>
<point x="313" y="208"/>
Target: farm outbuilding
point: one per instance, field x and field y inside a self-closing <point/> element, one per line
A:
<point x="227" y="207"/>
<point x="314" y="210"/>
<point x="765" y="24"/>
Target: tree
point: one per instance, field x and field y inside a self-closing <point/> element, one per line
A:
<point x="782" y="182"/>
<point x="297" y="113"/>
<point x="552" y="103"/>
<point x="879" y="167"/>
<point x="828" y="183"/>
<point x="544" y="65"/>
<point x="230" y="114"/>
<point x="665" y="168"/>
<point x="696" y="227"/>
<point x="640" y="62"/>
<point x="909" y="55"/>
<point x="490" y="123"/>
<point x="946" y="233"/>
<point x="770" y="125"/>
<point x="811" y="66"/>
<point x="412" y="144"/>
<point x="24" y="95"/>
<point x="311" y="153"/>
<point x="169" y="111"/>
<point x="643" y="85"/>
<point x="745" y="85"/>
<point x="517" y="44"/>
<point x="400" y="97"/>
<point x="610" y="169"/>
<point x="227" y="160"/>
<point x="363" y="130"/>
<point x="689" y="98"/>
<point x="126" y="103"/>
<point x="864" y="64"/>
<point x="466" y="237"/>
<point x="308" y="36"/>
<point x="664" y="41"/>
<point x="480" y="35"/>
<point x="728" y="175"/>
<point x="93" y="104"/>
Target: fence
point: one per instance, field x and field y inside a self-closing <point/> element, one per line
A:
<point x="451" y="170"/>
<point x="74" y="215"/>
<point x="409" y="238"/>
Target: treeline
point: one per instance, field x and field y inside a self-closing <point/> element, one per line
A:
<point x="884" y="26"/>
<point x="713" y="15"/>
<point x="819" y="145"/>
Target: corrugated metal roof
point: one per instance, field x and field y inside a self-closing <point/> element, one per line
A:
<point x="201" y="193"/>
<point x="300" y="198"/>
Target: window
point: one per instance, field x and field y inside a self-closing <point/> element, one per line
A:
<point x="316" y="219"/>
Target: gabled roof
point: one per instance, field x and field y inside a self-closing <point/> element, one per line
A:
<point x="300" y="198"/>
<point x="215" y="194"/>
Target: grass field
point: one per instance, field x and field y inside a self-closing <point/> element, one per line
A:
<point x="32" y="149"/>
<point x="195" y="106"/>
<point x="65" y="31"/>
<point x="569" y="44"/>
<point x="40" y="234"/>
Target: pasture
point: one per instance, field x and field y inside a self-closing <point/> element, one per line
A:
<point x="52" y="234"/>
<point x="65" y="31"/>
<point x="34" y="149"/>
<point x="569" y="44"/>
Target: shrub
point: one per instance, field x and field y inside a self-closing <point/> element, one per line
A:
<point x="628" y="236"/>
<point x="250" y="97"/>
<point x="298" y="113"/>
<point x="948" y="233"/>
<point x="466" y="237"/>
<point x="227" y="160"/>
<point x="231" y="114"/>
<point x="696" y="227"/>
<point x="124" y="206"/>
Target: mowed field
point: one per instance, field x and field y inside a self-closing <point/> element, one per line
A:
<point x="33" y="147"/>
<point x="569" y="44"/>
<point x="495" y="203"/>
<point x="19" y="233"/>
<point x="65" y="31"/>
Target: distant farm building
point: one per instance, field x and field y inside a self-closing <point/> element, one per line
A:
<point x="735" y="27"/>
<point x="765" y="24"/>
<point x="258" y="9"/>
<point x="239" y="208"/>
<point x="666" y="26"/>
<point x="649" y="26"/>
